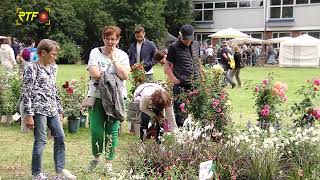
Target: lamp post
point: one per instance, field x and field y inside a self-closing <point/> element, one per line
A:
<point x="265" y="8"/>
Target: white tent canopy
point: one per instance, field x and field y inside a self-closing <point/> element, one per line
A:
<point x="229" y="33"/>
<point x="247" y="40"/>
<point x="277" y="40"/>
<point x="302" y="51"/>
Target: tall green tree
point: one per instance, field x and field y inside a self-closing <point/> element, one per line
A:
<point x="178" y="13"/>
<point x="148" y="13"/>
<point x="95" y="17"/>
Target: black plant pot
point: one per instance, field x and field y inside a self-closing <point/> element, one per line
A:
<point x="73" y="124"/>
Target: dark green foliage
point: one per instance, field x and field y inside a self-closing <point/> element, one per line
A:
<point x="79" y="23"/>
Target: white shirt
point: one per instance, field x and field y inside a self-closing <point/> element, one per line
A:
<point x="96" y="58"/>
<point x="139" y="45"/>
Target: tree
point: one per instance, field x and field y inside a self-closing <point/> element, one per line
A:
<point x="178" y="13"/>
<point x="95" y="17"/>
<point x="129" y="13"/>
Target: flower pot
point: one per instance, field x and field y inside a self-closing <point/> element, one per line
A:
<point x="8" y="120"/>
<point x="73" y="124"/>
<point x="3" y="119"/>
<point x="83" y="121"/>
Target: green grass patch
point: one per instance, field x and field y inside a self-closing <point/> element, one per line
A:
<point x="16" y="148"/>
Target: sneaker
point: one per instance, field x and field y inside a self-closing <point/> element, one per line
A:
<point x="93" y="164"/>
<point x="108" y="168"/>
<point x="67" y="174"/>
<point x="40" y="176"/>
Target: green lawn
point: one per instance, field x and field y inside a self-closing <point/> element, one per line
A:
<point x="16" y="148"/>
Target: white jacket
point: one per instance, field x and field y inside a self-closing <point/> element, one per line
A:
<point x="7" y="58"/>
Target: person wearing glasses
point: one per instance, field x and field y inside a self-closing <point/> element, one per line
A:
<point x="106" y="59"/>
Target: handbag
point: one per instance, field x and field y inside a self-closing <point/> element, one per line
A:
<point x="133" y="112"/>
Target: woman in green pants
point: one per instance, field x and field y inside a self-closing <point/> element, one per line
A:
<point x="104" y="128"/>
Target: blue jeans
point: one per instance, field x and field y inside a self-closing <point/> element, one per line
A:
<point x="40" y="140"/>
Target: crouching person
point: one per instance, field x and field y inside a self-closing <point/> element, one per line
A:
<point x="42" y="108"/>
<point x="157" y="110"/>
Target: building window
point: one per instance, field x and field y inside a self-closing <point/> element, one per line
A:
<point x="281" y="9"/>
<point x="203" y="11"/>
<point x="257" y="3"/>
<point x="243" y="4"/>
<point x="279" y="35"/>
<point x="220" y="5"/>
<point x="302" y="1"/>
<point x="203" y="37"/>
<point x="232" y="4"/>
<point x="314" y="1"/>
<point x="256" y="35"/>
<point x="315" y="34"/>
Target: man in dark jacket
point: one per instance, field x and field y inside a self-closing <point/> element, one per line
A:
<point x="184" y="65"/>
<point x="142" y="51"/>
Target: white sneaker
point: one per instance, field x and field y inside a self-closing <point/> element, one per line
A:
<point x="40" y="176"/>
<point x="108" y="168"/>
<point x="68" y="174"/>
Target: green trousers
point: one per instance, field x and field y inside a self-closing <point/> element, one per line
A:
<point x="103" y="129"/>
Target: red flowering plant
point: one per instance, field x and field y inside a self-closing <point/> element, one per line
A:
<point x="137" y="78"/>
<point x="72" y="93"/>
<point x="306" y="112"/>
<point x="269" y="97"/>
<point x="209" y="104"/>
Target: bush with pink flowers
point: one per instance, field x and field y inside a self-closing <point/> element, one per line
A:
<point x="269" y="96"/>
<point x="209" y="104"/>
<point x="306" y="113"/>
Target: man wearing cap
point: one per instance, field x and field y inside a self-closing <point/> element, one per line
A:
<point x="142" y="51"/>
<point x="184" y="63"/>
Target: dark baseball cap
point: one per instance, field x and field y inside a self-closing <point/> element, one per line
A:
<point x="187" y="32"/>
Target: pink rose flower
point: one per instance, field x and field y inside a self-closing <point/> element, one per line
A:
<point x="256" y="89"/>
<point x="316" y="113"/>
<point x="182" y="106"/>
<point x="218" y="110"/>
<point x="265" y="81"/>
<point x="316" y="82"/>
<point x="222" y="96"/>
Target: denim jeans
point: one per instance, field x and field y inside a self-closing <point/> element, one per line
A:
<point x="40" y="140"/>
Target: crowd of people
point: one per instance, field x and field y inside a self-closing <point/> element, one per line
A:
<point x="108" y="69"/>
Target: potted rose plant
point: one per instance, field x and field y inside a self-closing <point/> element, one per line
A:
<point x="72" y="94"/>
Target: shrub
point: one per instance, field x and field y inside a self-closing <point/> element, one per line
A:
<point x="269" y="97"/>
<point x="305" y="111"/>
<point x="10" y="90"/>
<point x="69" y="53"/>
<point x="209" y="103"/>
<point x="137" y="78"/>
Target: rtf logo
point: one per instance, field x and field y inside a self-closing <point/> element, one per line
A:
<point x="29" y="16"/>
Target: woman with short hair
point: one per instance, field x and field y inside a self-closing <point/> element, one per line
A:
<point x="42" y="106"/>
<point x="105" y="59"/>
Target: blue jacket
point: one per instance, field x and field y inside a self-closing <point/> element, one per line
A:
<point x="148" y="49"/>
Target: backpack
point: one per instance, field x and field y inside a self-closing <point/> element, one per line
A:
<point x="30" y="54"/>
<point x="232" y="62"/>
